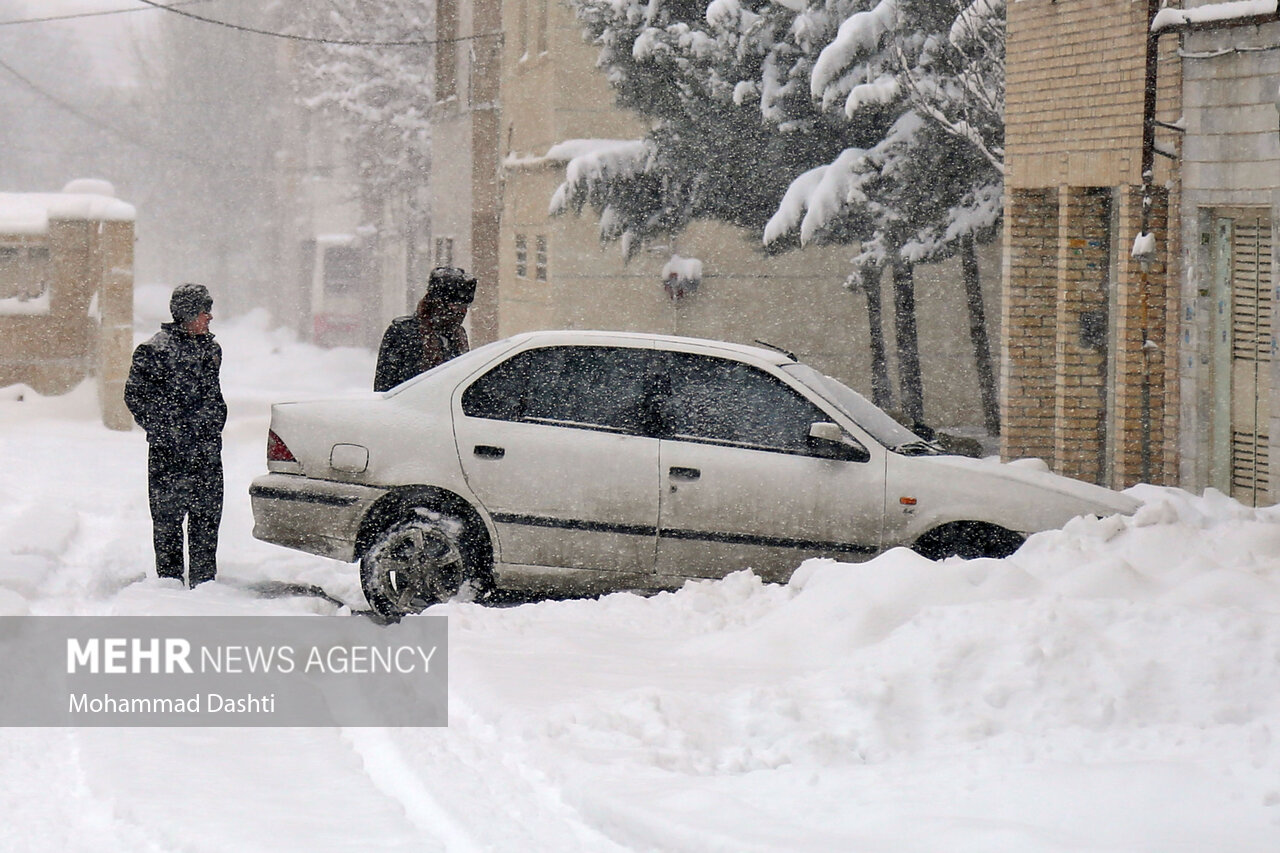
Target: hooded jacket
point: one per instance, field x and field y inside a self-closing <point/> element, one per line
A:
<point x="174" y="392"/>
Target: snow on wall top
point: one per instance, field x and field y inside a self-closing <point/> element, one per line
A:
<point x="29" y="213"/>
<point x="1212" y="12"/>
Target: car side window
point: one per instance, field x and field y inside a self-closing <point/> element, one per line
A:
<point x="580" y="386"/>
<point x="723" y="401"/>
<point x="500" y="393"/>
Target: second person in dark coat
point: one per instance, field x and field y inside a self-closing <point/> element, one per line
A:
<point x="431" y="336"/>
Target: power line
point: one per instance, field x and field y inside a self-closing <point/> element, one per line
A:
<point x="318" y="40"/>
<point x="74" y="16"/>
<point x="66" y="106"/>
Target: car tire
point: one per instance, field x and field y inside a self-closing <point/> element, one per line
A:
<point x="968" y="539"/>
<point x="420" y="559"/>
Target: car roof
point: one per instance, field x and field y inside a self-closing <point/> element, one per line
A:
<point x="582" y="336"/>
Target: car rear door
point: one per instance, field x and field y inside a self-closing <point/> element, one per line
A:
<point x="552" y="442"/>
<point x="743" y="486"/>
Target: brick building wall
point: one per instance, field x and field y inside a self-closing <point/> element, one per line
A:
<point x="1027" y="366"/>
<point x="1084" y="353"/>
<point x="1080" y="328"/>
<point x="1073" y="107"/>
<point x="1146" y="355"/>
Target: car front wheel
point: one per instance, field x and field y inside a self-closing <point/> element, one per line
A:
<point x="968" y="539"/>
<point x="417" y="561"/>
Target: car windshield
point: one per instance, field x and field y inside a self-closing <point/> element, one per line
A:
<point x="883" y="428"/>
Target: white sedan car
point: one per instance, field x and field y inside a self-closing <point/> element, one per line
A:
<point x="590" y="461"/>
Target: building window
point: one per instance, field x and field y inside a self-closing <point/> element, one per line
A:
<point x="342" y="270"/>
<point x="444" y="251"/>
<point x="524" y="28"/>
<point x="522" y="256"/>
<point x="540" y="259"/>
<point x="543" y="24"/>
<point x="446" y="50"/>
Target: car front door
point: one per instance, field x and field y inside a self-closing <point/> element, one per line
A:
<point x="552" y="442"/>
<point x="744" y="486"/>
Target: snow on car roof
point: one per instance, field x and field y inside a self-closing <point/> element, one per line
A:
<point x="567" y="336"/>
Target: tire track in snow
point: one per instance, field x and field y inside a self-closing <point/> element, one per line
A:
<point x="395" y="778"/>
<point x="481" y="768"/>
<point x="245" y="789"/>
<point x="137" y="837"/>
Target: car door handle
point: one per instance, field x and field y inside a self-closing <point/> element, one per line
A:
<point x="678" y="473"/>
<point x="488" y="451"/>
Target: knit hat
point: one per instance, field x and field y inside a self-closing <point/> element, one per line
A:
<point x="450" y="284"/>
<point x="189" y="301"/>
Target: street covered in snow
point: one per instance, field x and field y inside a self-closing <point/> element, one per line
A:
<point x="1112" y="686"/>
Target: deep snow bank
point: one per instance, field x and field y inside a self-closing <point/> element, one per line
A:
<point x="1114" y="685"/>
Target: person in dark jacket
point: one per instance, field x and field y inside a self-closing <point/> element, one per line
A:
<point x="417" y="342"/>
<point x="175" y="395"/>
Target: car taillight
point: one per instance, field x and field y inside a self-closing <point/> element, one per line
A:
<point x="277" y="450"/>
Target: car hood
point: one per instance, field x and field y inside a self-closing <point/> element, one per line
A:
<point x="1108" y="501"/>
<point x="1014" y="496"/>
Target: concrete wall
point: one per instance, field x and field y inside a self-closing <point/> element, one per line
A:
<point x="1231" y="159"/>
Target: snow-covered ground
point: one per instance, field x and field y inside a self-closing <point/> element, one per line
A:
<point x="1114" y="686"/>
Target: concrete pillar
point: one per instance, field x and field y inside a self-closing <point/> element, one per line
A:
<point x="115" y="330"/>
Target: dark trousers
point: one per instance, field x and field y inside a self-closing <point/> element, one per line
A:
<point x="185" y="485"/>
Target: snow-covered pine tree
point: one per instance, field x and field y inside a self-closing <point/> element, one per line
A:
<point x="710" y="154"/>
<point x="727" y="89"/>
<point x="851" y="104"/>
<point x="940" y="65"/>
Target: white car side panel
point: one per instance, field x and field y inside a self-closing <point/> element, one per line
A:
<point x="764" y="510"/>
<point x="560" y="496"/>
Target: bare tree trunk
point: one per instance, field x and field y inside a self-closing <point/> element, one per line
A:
<point x="881" y="392"/>
<point x="978" y="335"/>
<point x="910" y="384"/>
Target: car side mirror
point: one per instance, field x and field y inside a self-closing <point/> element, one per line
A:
<point x="830" y="441"/>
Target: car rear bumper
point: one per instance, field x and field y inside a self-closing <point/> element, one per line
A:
<point x="316" y="516"/>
